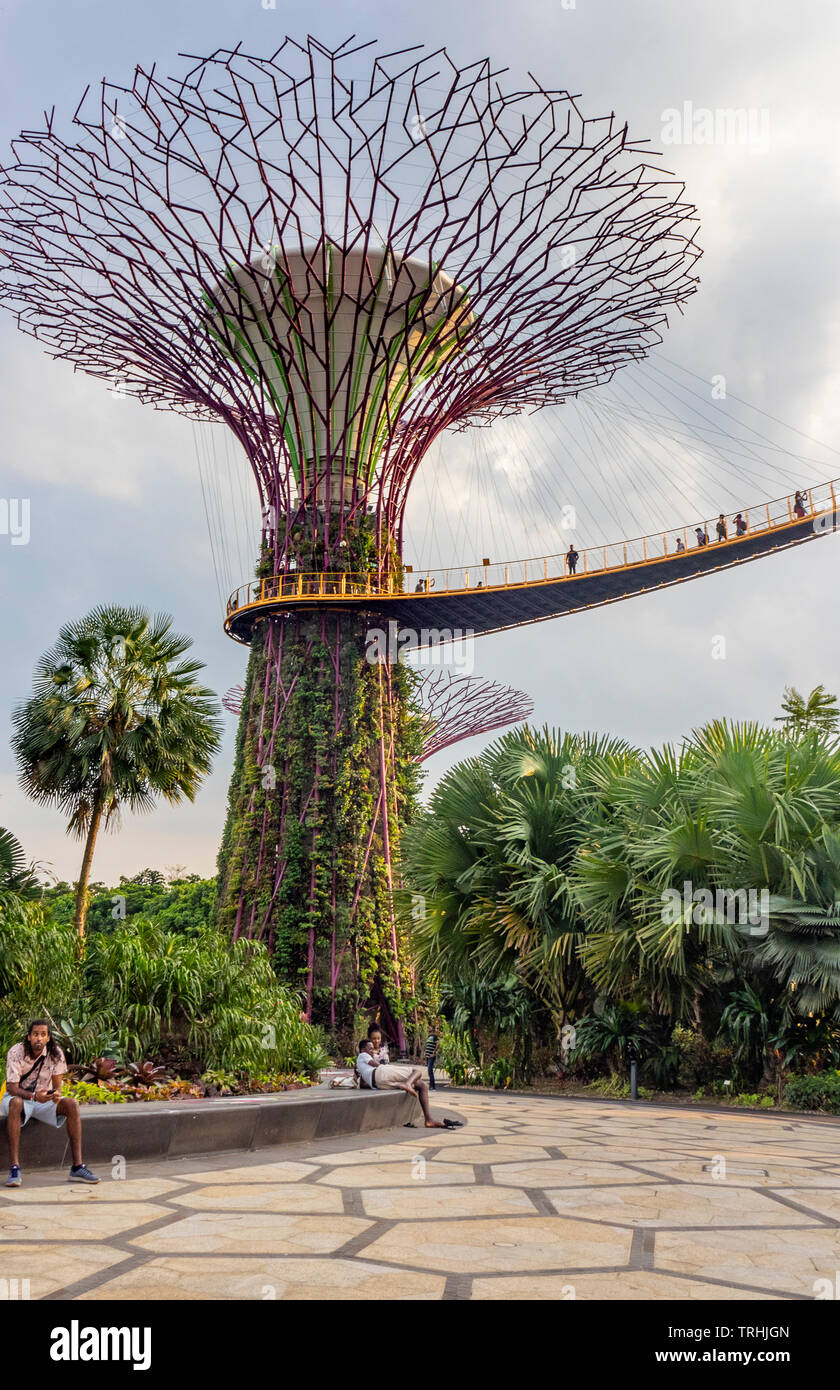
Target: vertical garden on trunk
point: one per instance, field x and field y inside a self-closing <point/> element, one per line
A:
<point x="325" y="776"/>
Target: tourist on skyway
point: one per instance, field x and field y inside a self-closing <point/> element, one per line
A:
<point x="799" y="504"/>
<point x="740" y="526"/>
<point x="680" y="548"/>
<point x="572" y="558"/>
<point x="721" y="527"/>
<point x="702" y="536"/>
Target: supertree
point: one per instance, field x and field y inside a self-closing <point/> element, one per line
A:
<point x="457" y="706"/>
<point x="339" y="255"/>
<point x="453" y="706"/>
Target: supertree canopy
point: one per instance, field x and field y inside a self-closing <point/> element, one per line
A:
<point x="340" y="255"/>
<point x="458" y="706"/>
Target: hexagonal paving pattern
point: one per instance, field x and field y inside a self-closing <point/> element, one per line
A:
<point x="535" y="1198"/>
<point x="265" y="1278"/>
<point x="462" y="1247"/>
<point x="246" y="1233"/>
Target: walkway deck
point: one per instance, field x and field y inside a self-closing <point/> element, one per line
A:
<point x="493" y="598"/>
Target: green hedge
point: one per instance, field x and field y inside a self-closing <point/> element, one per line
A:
<point x="818" y="1092"/>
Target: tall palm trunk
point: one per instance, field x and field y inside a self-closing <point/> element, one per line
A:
<point x="84" y="876"/>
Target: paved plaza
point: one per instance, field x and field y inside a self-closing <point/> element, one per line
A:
<point x="534" y="1198"/>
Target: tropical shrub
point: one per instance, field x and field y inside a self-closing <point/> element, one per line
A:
<point x="208" y="1001"/>
<point x="491" y="860"/>
<point x="92" y="1093"/>
<point x="820" y="1092"/>
<point x="571" y="868"/>
<point x="39" y="970"/>
<point x="455" y="1053"/>
<point x="617" y="1034"/>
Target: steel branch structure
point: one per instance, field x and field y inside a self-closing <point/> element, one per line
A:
<point x="458" y="706"/>
<point x="454" y="707"/>
<point x="341" y="270"/>
<point x="340" y="255"/>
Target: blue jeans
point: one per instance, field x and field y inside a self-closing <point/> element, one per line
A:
<point x="430" y="1063"/>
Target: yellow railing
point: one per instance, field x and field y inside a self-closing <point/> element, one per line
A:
<point x="620" y="555"/>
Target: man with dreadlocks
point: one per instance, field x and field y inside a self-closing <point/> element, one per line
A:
<point x="35" y="1070"/>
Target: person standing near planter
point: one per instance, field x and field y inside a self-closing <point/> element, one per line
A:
<point x="431" y="1056"/>
<point x="35" y="1071"/>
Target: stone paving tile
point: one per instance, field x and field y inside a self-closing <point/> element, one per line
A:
<point x="401" y="1203"/>
<point x="466" y="1247"/>
<point x="386" y="1153"/>
<point x="501" y="1152"/>
<point x="261" y="1277"/>
<point x="677" y="1204"/>
<point x="553" y="1172"/>
<point x="256" y="1172"/>
<point x="743" y="1174"/>
<point x="815" y="1198"/>
<point x="395" y="1174"/>
<point x="56" y="1221"/>
<point x="781" y="1261"/>
<point x="632" y="1209"/>
<point x="629" y="1284"/>
<point x="249" y="1233"/>
<point x="49" y="1266"/>
<point x="286" y="1197"/>
<point x="119" y="1190"/>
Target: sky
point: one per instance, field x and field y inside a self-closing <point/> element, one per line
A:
<point x="115" y="502"/>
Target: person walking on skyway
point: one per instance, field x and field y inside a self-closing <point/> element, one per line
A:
<point x="799" y="505"/>
<point x="721" y="528"/>
<point x="572" y="558"/>
<point x="680" y="548"/>
<point x="740" y="526"/>
<point x="702" y="537"/>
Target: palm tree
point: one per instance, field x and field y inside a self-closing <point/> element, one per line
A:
<point x="491" y="860"/>
<point x="116" y="718"/>
<point x="802" y="949"/>
<point x="19" y="883"/>
<point x="818" y="712"/>
<point x="737" y="807"/>
<point x="617" y="1033"/>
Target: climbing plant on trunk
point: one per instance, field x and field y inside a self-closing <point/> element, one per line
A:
<point x="325" y="776"/>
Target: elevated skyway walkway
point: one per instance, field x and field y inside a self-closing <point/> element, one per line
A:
<point x="493" y="597"/>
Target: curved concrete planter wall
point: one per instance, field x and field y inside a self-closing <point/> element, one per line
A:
<point x="165" y="1129"/>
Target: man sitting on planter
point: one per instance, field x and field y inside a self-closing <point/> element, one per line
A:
<point x="390" y="1076"/>
<point x="35" y="1071"/>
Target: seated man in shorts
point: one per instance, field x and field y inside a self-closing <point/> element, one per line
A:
<point x="391" y="1076"/>
<point x="35" y="1070"/>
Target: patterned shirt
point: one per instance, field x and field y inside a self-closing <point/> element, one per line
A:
<point x="431" y="1046"/>
<point x="18" y="1064"/>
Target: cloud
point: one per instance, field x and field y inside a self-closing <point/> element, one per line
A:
<point x="69" y="430"/>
